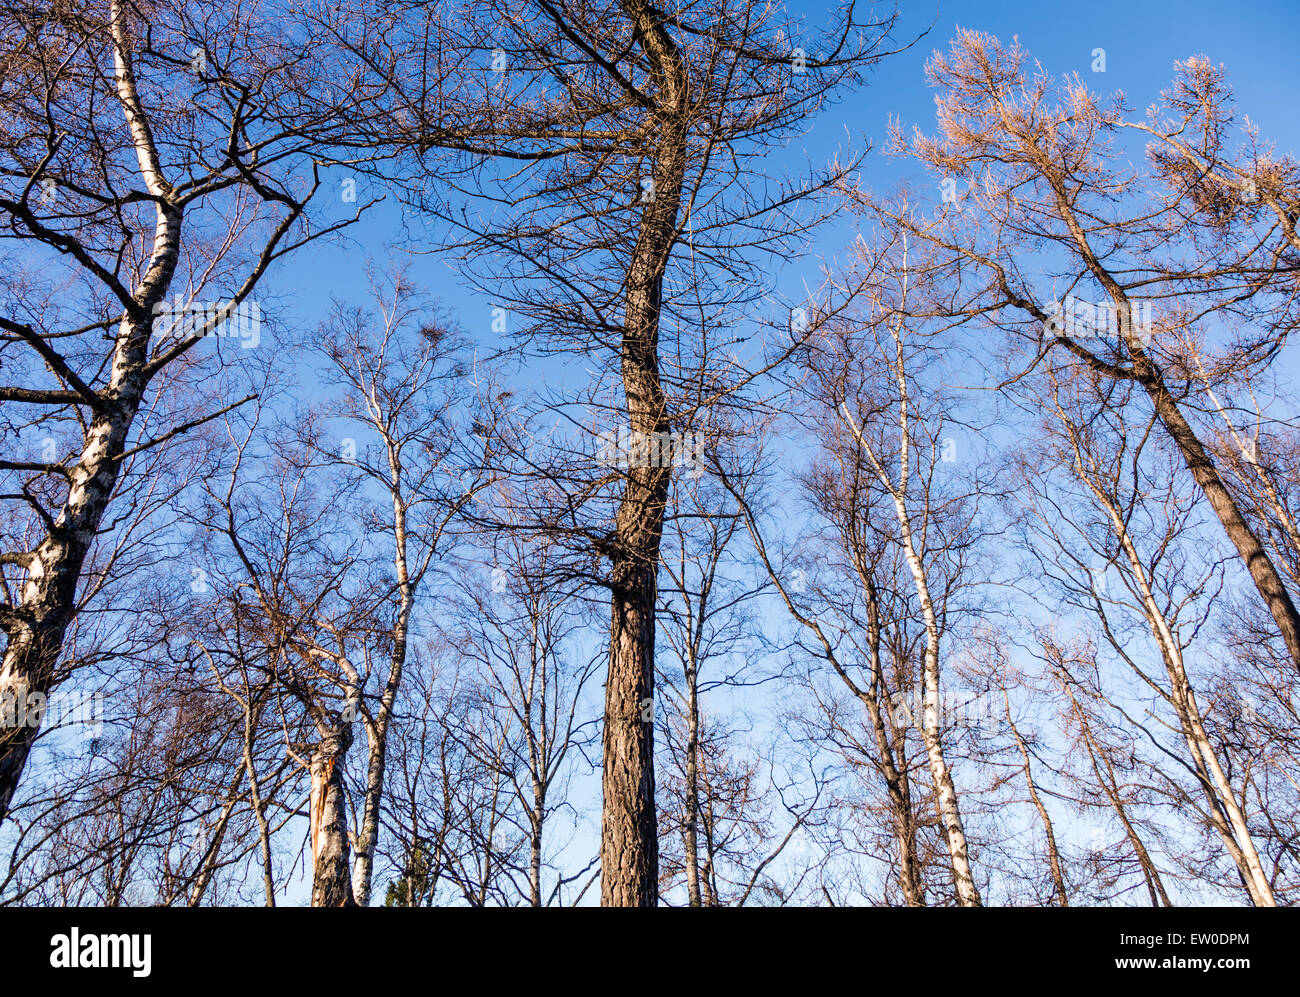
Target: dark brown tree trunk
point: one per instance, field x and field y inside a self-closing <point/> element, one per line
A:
<point x="1262" y="570"/>
<point x="629" y="849"/>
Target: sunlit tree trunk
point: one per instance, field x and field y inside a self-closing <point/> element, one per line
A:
<point x="629" y="851"/>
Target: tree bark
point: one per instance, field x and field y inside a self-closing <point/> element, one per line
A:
<point x="377" y="732"/>
<point x="331" y="883"/>
<point x="629" y="848"/>
<point x="1253" y="554"/>
<point x="967" y="892"/>
<point x="690" y="832"/>
<point x="48" y="596"/>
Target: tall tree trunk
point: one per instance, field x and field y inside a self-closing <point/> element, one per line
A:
<point x="892" y="751"/>
<point x="1253" y="553"/>
<point x="48" y="596"/>
<point x="535" y="847"/>
<point x="949" y="809"/>
<point x="629" y="849"/>
<point x="690" y="832"/>
<point x="931" y="721"/>
<point x="45" y="608"/>
<point x="377" y="735"/>
<point x="331" y="883"/>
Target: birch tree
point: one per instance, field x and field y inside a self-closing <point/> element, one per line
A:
<point x="149" y="157"/>
<point x="402" y="380"/>
<point x="894" y="525"/>
<point x="1118" y="467"/>
<point x="1031" y="168"/>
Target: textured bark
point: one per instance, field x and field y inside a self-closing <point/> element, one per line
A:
<point x="1225" y="815"/>
<point x="949" y="810"/>
<point x="893" y="759"/>
<point x="36" y="625"/>
<point x="690" y="833"/>
<point x="629" y="840"/>
<point x="48" y="596"/>
<point x="331" y="883"/>
<point x="629" y="848"/>
<point x="536" y="827"/>
<point x="377" y="732"/>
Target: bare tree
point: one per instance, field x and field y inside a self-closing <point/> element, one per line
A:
<point x="1046" y="177"/>
<point x="637" y="198"/>
<point x="517" y="629"/>
<point x="1145" y="519"/>
<point x="401" y="380"/>
<point x="1111" y="772"/>
<point x="724" y="797"/>
<point x="146" y="161"/>
<point x="895" y="526"/>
